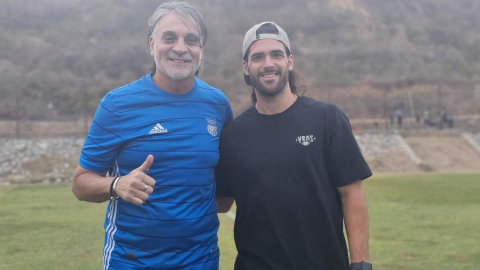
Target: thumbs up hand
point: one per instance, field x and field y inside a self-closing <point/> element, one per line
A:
<point x="137" y="185"/>
<point x="146" y="164"/>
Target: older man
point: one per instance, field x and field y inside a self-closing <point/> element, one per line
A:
<point x="294" y="169"/>
<point x="158" y="139"/>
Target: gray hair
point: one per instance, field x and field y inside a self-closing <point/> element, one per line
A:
<point x="184" y="10"/>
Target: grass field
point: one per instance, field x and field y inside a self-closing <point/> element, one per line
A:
<point x="424" y="221"/>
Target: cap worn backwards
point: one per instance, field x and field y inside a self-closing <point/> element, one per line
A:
<point x="251" y="36"/>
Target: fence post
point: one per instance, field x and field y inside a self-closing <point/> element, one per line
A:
<point x="18" y="114"/>
<point x="85" y="121"/>
<point x="440" y="105"/>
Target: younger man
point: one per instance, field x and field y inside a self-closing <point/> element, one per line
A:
<point x="294" y="169"/>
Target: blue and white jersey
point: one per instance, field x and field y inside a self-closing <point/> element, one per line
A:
<point x="176" y="228"/>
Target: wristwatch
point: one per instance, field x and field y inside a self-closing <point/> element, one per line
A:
<point x="361" y="266"/>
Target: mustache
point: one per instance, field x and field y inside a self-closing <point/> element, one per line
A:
<point x="185" y="57"/>
<point x="270" y="70"/>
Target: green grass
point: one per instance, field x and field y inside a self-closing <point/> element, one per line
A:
<point x="228" y="251"/>
<point x="419" y="222"/>
<point x="45" y="227"/>
<point x="425" y="221"/>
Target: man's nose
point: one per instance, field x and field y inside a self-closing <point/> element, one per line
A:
<point x="268" y="62"/>
<point x="180" y="47"/>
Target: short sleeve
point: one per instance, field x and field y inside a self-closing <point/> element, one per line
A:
<point x="228" y="113"/>
<point x="103" y="139"/>
<point x="222" y="171"/>
<point x="345" y="160"/>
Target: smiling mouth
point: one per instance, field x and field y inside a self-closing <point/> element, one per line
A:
<point x="180" y="61"/>
<point x="269" y="76"/>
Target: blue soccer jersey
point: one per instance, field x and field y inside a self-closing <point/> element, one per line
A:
<point x="176" y="228"/>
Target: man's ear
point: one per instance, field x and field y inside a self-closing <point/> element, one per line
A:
<point x="245" y="68"/>
<point x="151" y="44"/>
<point x="290" y="62"/>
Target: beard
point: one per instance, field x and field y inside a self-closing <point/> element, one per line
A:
<point x="175" y="73"/>
<point x="269" y="91"/>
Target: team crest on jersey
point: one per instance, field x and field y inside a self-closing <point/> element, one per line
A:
<point x="212" y="126"/>
<point x="305" y="140"/>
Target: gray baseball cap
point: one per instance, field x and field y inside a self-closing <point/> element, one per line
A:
<point x="251" y="36"/>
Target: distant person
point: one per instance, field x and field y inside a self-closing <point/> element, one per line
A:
<point x="293" y="167"/>
<point x="158" y="139"/>
<point x="399" y="115"/>
<point x="443" y="116"/>
<point x="449" y="119"/>
<point x="442" y="119"/>
<point x="417" y="120"/>
<point x="427" y="117"/>
<point x="392" y="120"/>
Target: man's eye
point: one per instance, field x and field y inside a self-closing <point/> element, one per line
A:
<point x="169" y="39"/>
<point x="192" y="40"/>
<point x="277" y="55"/>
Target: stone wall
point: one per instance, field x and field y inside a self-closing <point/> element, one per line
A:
<point x="53" y="160"/>
<point x="42" y="160"/>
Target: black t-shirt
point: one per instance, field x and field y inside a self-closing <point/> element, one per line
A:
<point x="283" y="171"/>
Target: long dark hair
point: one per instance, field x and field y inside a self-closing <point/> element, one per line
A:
<point x="295" y="79"/>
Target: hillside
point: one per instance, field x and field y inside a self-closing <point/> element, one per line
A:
<point x="55" y="53"/>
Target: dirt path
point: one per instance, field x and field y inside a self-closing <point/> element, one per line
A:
<point x="445" y="153"/>
<point x="393" y="161"/>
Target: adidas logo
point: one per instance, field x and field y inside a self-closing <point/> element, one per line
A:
<point x="158" y="129"/>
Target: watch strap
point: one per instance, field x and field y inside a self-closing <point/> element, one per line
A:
<point x="361" y="266"/>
